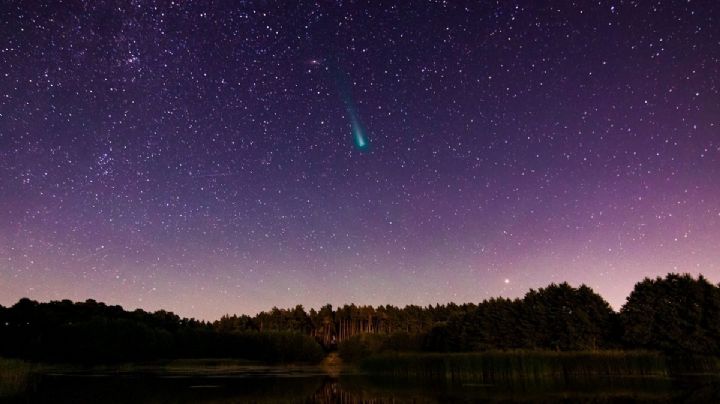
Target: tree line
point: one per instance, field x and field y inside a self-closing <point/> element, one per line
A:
<point x="677" y="314"/>
<point x="92" y="332"/>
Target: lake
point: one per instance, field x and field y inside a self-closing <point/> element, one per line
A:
<point x="314" y="385"/>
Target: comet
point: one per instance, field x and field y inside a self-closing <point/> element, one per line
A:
<point x="358" y="132"/>
<point x="359" y="135"/>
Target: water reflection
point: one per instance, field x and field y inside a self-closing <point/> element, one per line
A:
<point x="318" y="388"/>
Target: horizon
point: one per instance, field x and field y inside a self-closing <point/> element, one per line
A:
<point x="214" y="158"/>
<point x="616" y="309"/>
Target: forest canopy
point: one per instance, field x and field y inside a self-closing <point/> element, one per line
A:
<point x="674" y="314"/>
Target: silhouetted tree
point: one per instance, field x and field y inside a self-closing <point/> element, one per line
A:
<point x="565" y="318"/>
<point x="676" y="314"/>
<point x="92" y="332"/>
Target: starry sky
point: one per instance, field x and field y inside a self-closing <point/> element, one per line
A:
<point x="203" y="157"/>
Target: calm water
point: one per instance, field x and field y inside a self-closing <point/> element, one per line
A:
<point x="320" y="388"/>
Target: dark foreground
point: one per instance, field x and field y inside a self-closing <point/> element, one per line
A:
<point x="308" y="386"/>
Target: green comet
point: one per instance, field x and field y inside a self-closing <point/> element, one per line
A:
<point x="359" y="135"/>
<point x="358" y="131"/>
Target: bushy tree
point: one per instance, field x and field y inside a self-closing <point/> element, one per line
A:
<point x="677" y="313"/>
<point x="562" y="317"/>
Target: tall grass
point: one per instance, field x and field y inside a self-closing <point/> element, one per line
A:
<point x="14" y="376"/>
<point x="497" y="366"/>
<point x="694" y="365"/>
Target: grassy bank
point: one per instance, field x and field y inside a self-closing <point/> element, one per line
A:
<point x="491" y="367"/>
<point x="14" y="376"/>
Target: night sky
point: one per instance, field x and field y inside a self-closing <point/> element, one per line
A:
<point x="230" y="156"/>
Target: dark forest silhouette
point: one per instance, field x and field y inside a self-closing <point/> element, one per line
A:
<point x="677" y="314"/>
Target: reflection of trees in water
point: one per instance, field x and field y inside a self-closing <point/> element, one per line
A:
<point x="334" y="392"/>
<point x="363" y="390"/>
<point x="358" y="389"/>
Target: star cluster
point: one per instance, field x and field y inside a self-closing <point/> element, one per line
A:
<point x="199" y="156"/>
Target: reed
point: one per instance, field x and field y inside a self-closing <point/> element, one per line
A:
<point x="497" y="366"/>
<point x="14" y="376"/>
